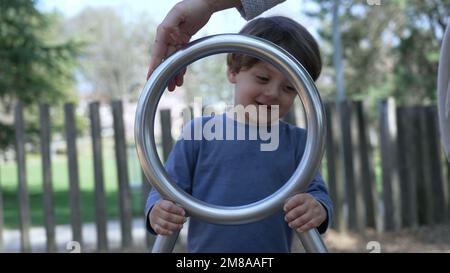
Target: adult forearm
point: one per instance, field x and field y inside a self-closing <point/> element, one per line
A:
<point x="217" y="5"/>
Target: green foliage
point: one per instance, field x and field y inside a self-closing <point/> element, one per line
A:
<point x="6" y="135"/>
<point x="35" y="67"/>
<point x="389" y="50"/>
<point x="113" y="61"/>
<point x="207" y="79"/>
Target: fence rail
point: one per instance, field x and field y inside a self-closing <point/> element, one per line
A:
<point x="399" y="180"/>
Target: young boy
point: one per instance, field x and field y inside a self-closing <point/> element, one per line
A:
<point x="237" y="172"/>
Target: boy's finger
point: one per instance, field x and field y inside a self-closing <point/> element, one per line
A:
<point x="162" y="231"/>
<point x="311" y="224"/>
<point x="295" y="201"/>
<point x="173" y="218"/>
<point x="296" y="212"/>
<point x="298" y="222"/>
<point x="170" y="226"/>
<point x="169" y="206"/>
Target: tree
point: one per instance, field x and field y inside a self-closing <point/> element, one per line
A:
<point x="420" y="34"/>
<point x="115" y="60"/>
<point x="35" y="67"/>
<point x="389" y="50"/>
<point x="207" y="79"/>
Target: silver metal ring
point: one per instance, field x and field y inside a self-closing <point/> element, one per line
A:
<point x="225" y="43"/>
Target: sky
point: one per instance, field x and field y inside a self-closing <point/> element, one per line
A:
<point x="222" y="22"/>
<point x="227" y="21"/>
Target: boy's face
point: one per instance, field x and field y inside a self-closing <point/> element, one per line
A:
<point x="262" y="84"/>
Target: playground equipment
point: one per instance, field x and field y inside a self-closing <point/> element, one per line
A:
<point x="304" y="173"/>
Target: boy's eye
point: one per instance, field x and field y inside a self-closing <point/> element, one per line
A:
<point x="290" y="88"/>
<point x="262" y="78"/>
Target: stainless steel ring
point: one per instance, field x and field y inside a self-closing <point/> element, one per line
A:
<point x="224" y="43"/>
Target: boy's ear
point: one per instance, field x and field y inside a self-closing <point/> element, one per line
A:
<point x="231" y="75"/>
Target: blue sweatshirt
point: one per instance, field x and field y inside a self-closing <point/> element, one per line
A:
<point x="234" y="173"/>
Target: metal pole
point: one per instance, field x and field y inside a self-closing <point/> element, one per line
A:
<point x="312" y="242"/>
<point x="165" y="244"/>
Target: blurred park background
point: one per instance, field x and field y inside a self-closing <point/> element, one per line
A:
<point x="71" y="73"/>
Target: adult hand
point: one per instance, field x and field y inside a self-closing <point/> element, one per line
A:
<point x="177" y="28"/>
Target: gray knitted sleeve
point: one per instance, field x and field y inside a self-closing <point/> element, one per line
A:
<point x="252" y="8"/>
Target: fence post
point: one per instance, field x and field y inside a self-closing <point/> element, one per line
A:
<point x="368" y="168"/>
<point x="334" y="166"/>
<point x="407" y="163"/>
<point x="146" y="188"/>
<point x="100" y="202"/>
<point x="24" y="206"/>
<point x="166" y="131"/>
<point x="47" y="183"/>
<point x="420" y="162"/>
<point x="424" y="186"/>
<point x="391" y="186"/>
<point x="74" y="181"/>
<point x="439" y="208"/>
<point x="359" y="155"/>
<point x="350" y="191"/>
<point x="122" y="171"/>
<point x="447" y="164"/>
<point x="1" y="217"/>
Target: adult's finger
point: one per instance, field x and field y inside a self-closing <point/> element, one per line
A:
<point x="159" y="50"/>
<point x="170" y="50"/>
<point x="167" y="33"/>
<point x="179" y="79"/>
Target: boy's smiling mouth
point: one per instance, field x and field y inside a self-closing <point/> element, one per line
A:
<point x="268" y="105"/>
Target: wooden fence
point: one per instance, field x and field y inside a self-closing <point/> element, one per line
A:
<point x="413" y="188"/>
<point x="414" y="181"/>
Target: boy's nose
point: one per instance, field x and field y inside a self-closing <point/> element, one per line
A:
<point x="270" y="94"/>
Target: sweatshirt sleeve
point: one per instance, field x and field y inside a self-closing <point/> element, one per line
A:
<point x="317" y="188"/>
<point x="252" y="8"/>
<point x="180" y="166"/>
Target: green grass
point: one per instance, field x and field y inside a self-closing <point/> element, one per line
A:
<point x="8" y="185"/>
<point x="8" y="180"/>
